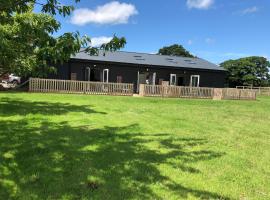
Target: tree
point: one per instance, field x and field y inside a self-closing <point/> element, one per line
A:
<point x="175" y="50"/>
<point x="248" y="71"/>
<point x="27" y="44"/>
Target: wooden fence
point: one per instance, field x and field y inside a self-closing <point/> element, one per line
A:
<point x="265" y="91"/>
<point x="232" y="93"/>
<point x="196" y="92"/>
<point x="126" y="89"/>
<point x="79" y="87"/>
<point x="176" y="91"/>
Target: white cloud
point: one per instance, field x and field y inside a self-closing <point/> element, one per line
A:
<point x="250" y="10"/>
<point x="235" y="55"/>
<point x="266" y="56"/>
<point x="110" y="13"/>
<point x="200" y="4"/>
<point x="210" y="40"/>
<point x="190" y="42"/>
<point x="98" y="41"/>
<point x="218" y="57"/>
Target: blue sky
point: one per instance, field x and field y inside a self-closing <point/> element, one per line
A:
<point x="215" y="30"/>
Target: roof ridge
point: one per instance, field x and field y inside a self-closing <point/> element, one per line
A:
<point x="158" y="55"/>
<point x="195" y="58"/>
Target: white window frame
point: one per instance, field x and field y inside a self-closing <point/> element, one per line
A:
<point x="154" y="78"/>
<point x="195" y="76"/>
<point x="171" y="79"/>
<point x="103" y="77"/>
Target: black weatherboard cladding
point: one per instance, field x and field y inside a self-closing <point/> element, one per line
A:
<point x="127" y="65"/>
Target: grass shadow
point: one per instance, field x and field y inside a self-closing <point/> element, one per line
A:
<point x="11" y="106"/>
<point x="57" y="161"/>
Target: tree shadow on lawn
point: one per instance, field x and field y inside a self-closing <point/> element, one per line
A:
<point x="56" y="161"/>
<point x="12" y="106"/>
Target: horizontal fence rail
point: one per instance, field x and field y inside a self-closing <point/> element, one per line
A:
<point x="196" y="92"/>
<point x="232" y="93"/>
<point x="177" y="91"/>
<point x="80" y="87"/>
<point x="265" y="91"/>
<point x="126" y="89"/>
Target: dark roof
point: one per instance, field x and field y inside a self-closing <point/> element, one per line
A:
<point x="149" y="60"/>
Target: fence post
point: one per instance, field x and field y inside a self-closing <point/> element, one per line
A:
<point x="141" y="90"/>
<point x="217" y="94"/>
<point x="30" y="85"/>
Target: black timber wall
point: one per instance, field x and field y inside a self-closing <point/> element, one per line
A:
<point x="129" y="72"/>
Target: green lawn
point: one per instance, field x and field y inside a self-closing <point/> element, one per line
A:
<point x="100" y="147"/>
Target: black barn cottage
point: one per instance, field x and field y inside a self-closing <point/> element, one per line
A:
<point x="141" y="68"/>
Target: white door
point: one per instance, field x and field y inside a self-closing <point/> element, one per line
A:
<point x="195" y="80"/>
<point x="105" y="75"/>
<point x="154" y="79"/>
<point x="173" y="79"/>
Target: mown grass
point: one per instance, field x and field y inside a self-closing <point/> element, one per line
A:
<point x="100" y="147"/>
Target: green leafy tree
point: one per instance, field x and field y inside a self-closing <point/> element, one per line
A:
<point x="27" y="45"/>
<point x="248" y="71"/>
<point x="175" y="50"/>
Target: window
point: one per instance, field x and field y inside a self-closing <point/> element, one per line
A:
<point x="195" y="80"/>
<point x="173" y="79"/>
<point x="87" y="73"/>
<point x="105" y="75"/>
<point x="119" y="79"/>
